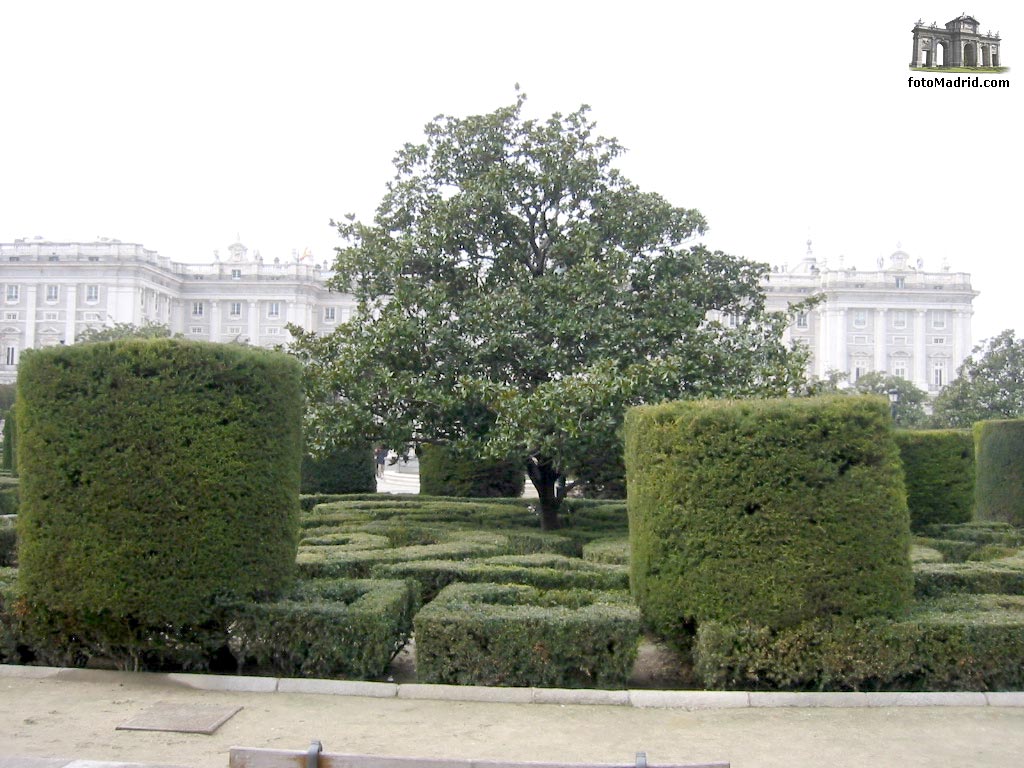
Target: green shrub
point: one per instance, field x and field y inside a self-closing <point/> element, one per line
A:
<point x="514" y="635"/>
<point x="999" y="482"/>
<point x="326" y="628"/>
<point x="9" y="458"/>
<point x="343" y="469"/>
<point x="614" y="551"/>
<point x="10" y="634"/>
<point x="998" y="577"/>
<point x="964" y="643"/>
<point x="446" y="473"/>
<point x="978" y="533"/>
<point x="544" y="571"/>
<point x="773" y="512"/>
<point x="939" y="475"/>
<point x="8" y="543"/>
<point x="335" y="562"/>
<point x="159" y="478"/>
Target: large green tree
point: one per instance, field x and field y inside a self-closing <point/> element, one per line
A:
<point x="908" y="410"/>
<point x="989" y="384"/>
<point x="516" y="293"/>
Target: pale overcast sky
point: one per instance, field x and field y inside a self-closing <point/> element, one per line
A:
<point x="183" y="125"/>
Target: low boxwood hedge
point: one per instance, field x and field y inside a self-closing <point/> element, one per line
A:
<point x="335" y="561"/>
<point x="544" y="571"/>
<point x="613" y="551"/>
<point x="999" y="577"/>
<point x="325" y="628"/>
<point x="961" y="643"/>
<point x="515" y="635"/>
<point x="8" y="543"/>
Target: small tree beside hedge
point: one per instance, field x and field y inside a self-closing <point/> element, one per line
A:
<point x="444" y="472"/>
<point x="939" y="475"/>
<point x="772" y="512"/>
<point x="159" y="478"/>
<point x="999" y="482"/>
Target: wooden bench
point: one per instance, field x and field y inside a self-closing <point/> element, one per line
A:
<point x="315" y="757"/>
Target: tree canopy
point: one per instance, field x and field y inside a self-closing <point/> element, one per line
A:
<point x="989" y="384"/>
<point x="516" y="293"/>
<point x="908" y="411"/>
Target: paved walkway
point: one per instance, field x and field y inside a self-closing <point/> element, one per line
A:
<point x="74" y="714"/>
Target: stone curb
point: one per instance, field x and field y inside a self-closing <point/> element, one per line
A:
<point x="641" y="699"/>
<point x="338" y="687"/>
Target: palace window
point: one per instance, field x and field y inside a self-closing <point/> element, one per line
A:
<point x="801" y="320"/>
<point x="92" y="293"/>
<point x="197" y="309"/>
<point x="899" y="319"/>
<point x="901" y="282"/>
<point x="860" y="318"/>
<point x="11" y="355"/>
<point x="52" y="292"/>
<point x="274" y="309"/>
<point x="13" y="293"/>
<point x="236" y="309"/>
<point x="236" y="274"/>
<point x="329" y="314"/>
<point x="899" y="369"/>
<point x="939" y="373"/>
<point x="938" y="320"/>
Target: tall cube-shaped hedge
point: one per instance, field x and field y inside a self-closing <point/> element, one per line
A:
<point x="938" y="466"/>
<point x="341" y="469"/>
<point x="999" y="482"/>
<point x="771" y="512"/>
<point x="158" y="478"/>
<point x="446" y="473"/>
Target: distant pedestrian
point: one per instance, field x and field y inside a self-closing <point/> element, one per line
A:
<point x="381" y="457"/>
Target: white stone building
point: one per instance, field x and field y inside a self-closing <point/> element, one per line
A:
<point x="50" y="292"/>
<point x="898" y="319"/>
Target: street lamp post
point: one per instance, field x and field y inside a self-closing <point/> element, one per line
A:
<point x="894" y="399"/>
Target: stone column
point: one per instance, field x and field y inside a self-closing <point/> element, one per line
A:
<point x="254" y="323"/>
<point x="215" y="322"/>
<point x="839" y="359"/>
<point x="821" y="343"/>
<point x="70" y="321"/>
<point x="880" y="331"/>
<point x="920" y="373"/>
<point x="30" y="316"/>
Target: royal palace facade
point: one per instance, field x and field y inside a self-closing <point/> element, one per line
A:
<point x="898" y="319"/>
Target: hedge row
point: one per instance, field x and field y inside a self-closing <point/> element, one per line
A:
<point x="515" y="635"/>
<point x="771" y="511"/>
<point x="966" y="643"/>
<point x="939" y="475"/>
<point x="542" y="571"/>
<point x="999" y="483"/>
<point x="444" y="472"/>
<point x="325" y="628"/>
<point x="333" y="561"/>
<point x="8" y="543"/>
<point x="343" y="469"/>
<point x="996" y="578"/>
<point x="612" y="551"/>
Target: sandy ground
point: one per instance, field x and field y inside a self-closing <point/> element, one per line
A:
<point x="77" y="719"/>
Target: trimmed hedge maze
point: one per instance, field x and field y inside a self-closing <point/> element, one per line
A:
<point x="516" y="635"/>
<point x="366" y="563"/>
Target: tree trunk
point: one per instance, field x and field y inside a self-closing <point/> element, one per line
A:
<point x="545" y="479"/>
